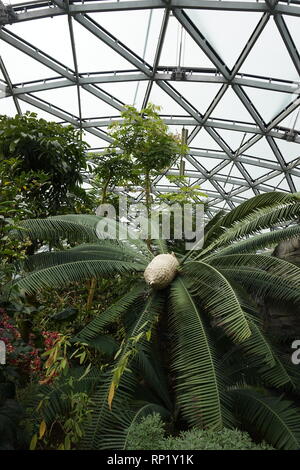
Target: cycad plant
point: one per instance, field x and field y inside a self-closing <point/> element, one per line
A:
<point x="195" y="350"/>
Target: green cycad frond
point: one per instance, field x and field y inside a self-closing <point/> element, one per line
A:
<point x="82" y="228"/>
<point x="278" y="266"/>
<point x="261" y="354"/>
<point x="276" y="421"/>
<point x="108" y="405"/>
<point x="103" y="422"/>
<point x="113" y="312"/>
<point x="153" y="374"/>
<point x="73" y="227"/>
<point x="261" y="201"/>
<point x="92" y="253"/>
<point x="254" y="222"/>
<point x="218" y="298"/>
<point x="264" y="240"/>
<point x="267" y="276"/>
<point x="64" y="274"/>
<point x="199" y="384"/>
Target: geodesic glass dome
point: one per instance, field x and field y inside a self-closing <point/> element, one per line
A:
<point x="227" y="71"/>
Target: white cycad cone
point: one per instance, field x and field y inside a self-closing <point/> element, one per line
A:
<point x="161" y="271"/>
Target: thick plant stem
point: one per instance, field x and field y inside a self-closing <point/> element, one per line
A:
<point x="148" y="206"/>
<point x="92" y="289"/>
<point x="104" y="193"/>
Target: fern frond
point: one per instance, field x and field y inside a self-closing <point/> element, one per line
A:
<point x="199" y="384"/>
<point x="218" y="298"/>
<point x="112" y="313"/>
<point x="258" y="242"/>
<point x="276" y="421"/>
<point x="254" y="222"/>
<point x="64" y="274"/>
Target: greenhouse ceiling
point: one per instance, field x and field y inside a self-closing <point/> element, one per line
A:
<point x="228" y="71"/>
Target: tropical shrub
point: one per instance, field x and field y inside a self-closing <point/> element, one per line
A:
<point x="52" y="149"/>
<point x="149" y="434"/>
<point x="196" y="350"/>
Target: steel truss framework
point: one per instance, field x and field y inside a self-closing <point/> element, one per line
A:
<point x="226" y="171"/>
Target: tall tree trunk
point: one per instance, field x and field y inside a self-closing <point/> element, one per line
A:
<point x="148" y="206"/>
<point x="104" y="191"/>
<point x="91" y="294"/>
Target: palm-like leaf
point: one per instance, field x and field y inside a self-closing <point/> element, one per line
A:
<point x="277" y="421"/>
<point x="213" y="290"/>
<point x="199" y="383"/>
<point x="254" y="222"/>
<point x="106" y="405"/>
<point x="75" y="271"/>
<point x="258" y="242"/>
<point x="218" y="298"/>
<point x="113" y="313"/>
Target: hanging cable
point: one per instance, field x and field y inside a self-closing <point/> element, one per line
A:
<point x="184" y="138"/>
<point x="144" y="53"/>
<point x="228" y="176"/>
<point x="180" y="48"/>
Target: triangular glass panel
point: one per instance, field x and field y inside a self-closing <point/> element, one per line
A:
<point x="64" y="98"/>
<point x="269" y="56"/>
<point x="296" y="180"/>
<point x="293" y="26"/>
<point x="199" y="94"/>
<point x="38" y="32"/>
<point x="278" y="182"/>
<point x="204" y="141"/>
<point x="146" y="25"/>
<point x="292" y="121"/>
<point x="248" y="194"/>
<point x="94" y="107"/>
<point x="191" y="52"/>
<point x="41" y="114"/>
<point x="168" y="105"/>
<point x="231" y="170"/>
<point x="233" y="138"/>
<point x="230" y="107"/>
<point x="261" y="149"/>
<point x="256" y="172"/>
<point x="289" y="150"/>
<point x="227" y="32"/>
<point x="127" y="92"/>
<point x="207" y="186"/>
<point x="95" y="56"/>
<point x="208" y="163"/>
<point x="8" y="107"/>
<point x="268" y="103"/>
<point x="22" y="68"/>
<point x="94" y="141"/>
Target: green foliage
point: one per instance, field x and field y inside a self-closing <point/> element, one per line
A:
<point x="144" y="136"/>
<point x="112" y="168"/>
<point x="149" y="434"/>
<point x="185" y="194"/>
<point x="55" y="150"/>
<point x="17" y="201"/>
<point x="201" y="338"/>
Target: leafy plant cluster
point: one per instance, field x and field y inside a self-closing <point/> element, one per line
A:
<point x="149" y="434"/>
<point x="197" y="350"/>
